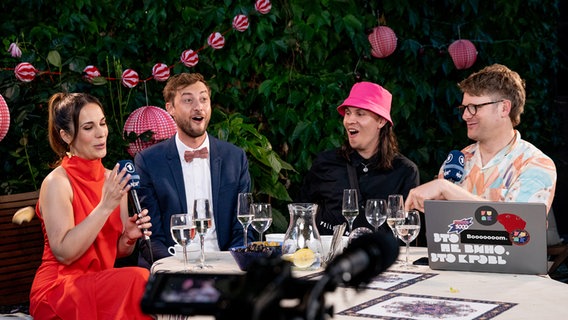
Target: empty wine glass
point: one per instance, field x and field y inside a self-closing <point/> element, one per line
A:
<point x="244" y="213"/>
<point x="376" y="212"/>
<point x="262" y="217"/>
<point x="395" y="211"/>
<point x="350" y="207"/>
<point x="357" y="233"/>
<point x="202" y="219"/>
<point x="182" y="229"/>
<point x="408" y="230"/>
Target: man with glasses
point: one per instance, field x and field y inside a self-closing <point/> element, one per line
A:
<point x="499" y="166"/>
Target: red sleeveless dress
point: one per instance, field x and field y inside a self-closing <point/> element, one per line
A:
<point x="90" y="287"/>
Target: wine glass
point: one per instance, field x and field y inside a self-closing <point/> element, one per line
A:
<point x="408" y="230"/>
<point x="376" y="212"/>
<point x="395" y="211"/>
<point x="182" y="229"/>
<point x="350" y="207"/>
<point x="202" y="219"/>
<point x="262" y="217"/>
<point x="244" y="213"/>
<point x="357" y="233"/>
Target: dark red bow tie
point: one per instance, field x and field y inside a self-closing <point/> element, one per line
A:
<point x="190" y="155"/>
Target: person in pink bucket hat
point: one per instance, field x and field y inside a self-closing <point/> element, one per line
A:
<point x="368" y="161"/>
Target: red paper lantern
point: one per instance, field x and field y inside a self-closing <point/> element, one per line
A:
<point x="4" y="118"/>
<point x="463" y="53"/>
<point x="91" y="72"/>
<point x="240" y="22"/>
<point x="130" y="78"/>
<point x="189" y="58"/>
<point x="383" y="42"/>
<point x="25" y="72"/>
<point x="263" y="6"/>
<point x="161" y="72"/>
<point x="147" y="118"/>
<point x="216" y="40"/>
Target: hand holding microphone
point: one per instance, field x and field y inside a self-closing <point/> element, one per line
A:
<point x="453" y="166"/>
<point x="133" y="199"/>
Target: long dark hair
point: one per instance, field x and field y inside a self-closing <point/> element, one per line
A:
<point x="64" y="110"/>
<point x="388" y="149"/>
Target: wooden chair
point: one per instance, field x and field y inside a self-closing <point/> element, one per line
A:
<point x="558" y="254"/>
<point x="21" y="248"/>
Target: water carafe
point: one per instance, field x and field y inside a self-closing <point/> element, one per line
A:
<point x="302" y="243"/>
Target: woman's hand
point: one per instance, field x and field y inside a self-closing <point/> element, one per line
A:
<point x="115" y="187"/>
<point x="138" y="226"/>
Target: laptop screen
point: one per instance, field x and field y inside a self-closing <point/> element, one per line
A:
<point x="505" y="237"/>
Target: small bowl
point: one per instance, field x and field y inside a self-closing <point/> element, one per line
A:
<point x="245" y="258"/>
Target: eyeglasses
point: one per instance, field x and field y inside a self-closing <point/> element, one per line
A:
<point x="472" y="108"/>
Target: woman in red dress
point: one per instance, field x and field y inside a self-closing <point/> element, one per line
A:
<point x="83" y="208"/>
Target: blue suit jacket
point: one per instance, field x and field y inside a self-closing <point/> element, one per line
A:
<point x="162" y="192"/>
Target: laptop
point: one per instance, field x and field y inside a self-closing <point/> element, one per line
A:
<point x="502" y="237"/>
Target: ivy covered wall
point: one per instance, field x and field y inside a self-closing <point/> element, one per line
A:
<point x="283" y="76"/>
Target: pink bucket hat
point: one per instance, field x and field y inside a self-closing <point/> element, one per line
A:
<point x="369" y="96"/>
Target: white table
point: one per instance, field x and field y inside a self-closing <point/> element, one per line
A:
<point x="498" y="296"/>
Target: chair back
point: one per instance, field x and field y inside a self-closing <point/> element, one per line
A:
<point x="21" y="249"/>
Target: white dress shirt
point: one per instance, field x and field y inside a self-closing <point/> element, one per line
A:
<point x="197" y="181"/>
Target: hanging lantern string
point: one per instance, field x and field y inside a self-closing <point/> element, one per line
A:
<point x="262" y="7"/>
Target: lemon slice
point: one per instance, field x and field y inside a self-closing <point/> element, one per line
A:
<point x="304" y="258"/>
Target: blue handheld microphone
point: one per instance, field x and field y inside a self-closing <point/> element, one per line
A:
<point x="134" y="182"/>
<point x="453" y="166"/>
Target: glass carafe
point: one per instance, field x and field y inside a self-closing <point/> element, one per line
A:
<point x="302" y="243"/>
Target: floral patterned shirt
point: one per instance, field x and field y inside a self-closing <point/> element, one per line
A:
<point x="520" y="172"/>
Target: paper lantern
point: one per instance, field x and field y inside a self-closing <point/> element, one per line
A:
<point x="216" y="40"/>
<point x="25" y="72"/>
<point x="161" y="72"/>
<point x="147" y="118"/>
<point x="463" y="53"/>
<point x="383" y="41"/>
<point x="240" y="22"/>
<point x="4" y="118"/>
<point x="91" y="72"/>
<point x="189" y="58"/>
<point x="130" y="78"/>
<point x="263" y="6"/>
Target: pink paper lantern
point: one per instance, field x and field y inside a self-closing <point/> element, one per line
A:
<point x="383" y="41"/>
<point x="240" y="22"/>
<point x="463" y="53"/>
<point x="130" y="78"/>
<point x="4" y="118"/>
<point x="25" y="72"/>
<point x="161" y="72"/>
<point x="189" y="58"/>
<point x="147" y="118"/>
<point x="216" y="40"/>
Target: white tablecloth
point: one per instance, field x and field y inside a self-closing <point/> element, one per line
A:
<point x="399" y="291"/>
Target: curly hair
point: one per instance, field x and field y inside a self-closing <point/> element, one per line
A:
<point x="499" y="82"/>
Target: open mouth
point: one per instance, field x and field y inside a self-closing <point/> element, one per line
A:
<point x="352" y="132"/>
<point x="197" y="119"/>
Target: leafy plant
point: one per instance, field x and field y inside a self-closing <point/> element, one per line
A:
<point x="279" y="82"/>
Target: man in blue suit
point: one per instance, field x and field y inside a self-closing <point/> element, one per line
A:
<point x="191" y="165"/>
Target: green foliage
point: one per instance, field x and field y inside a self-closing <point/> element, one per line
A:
<point x="279" y="82"/>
